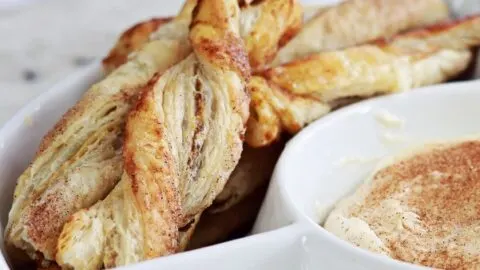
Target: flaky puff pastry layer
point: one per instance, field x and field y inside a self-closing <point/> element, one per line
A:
<point x="79" y="161"/>
<point x="292" y="95"/>
<point x="183" y="139"/>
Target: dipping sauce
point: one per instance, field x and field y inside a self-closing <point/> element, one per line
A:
<point x="422" y="207"/>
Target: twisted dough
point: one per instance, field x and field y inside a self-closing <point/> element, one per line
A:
<point x="131" y="40"/>
<point x="183" y="139"/>
<point x="292" y="95"/>
<point x="355" y="22"/>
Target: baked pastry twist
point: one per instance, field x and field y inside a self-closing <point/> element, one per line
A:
<point x="292" y="95"/>
<point x="79" y="161"/>
<point x="182" y="141"/>
<point x="355" y="22"/>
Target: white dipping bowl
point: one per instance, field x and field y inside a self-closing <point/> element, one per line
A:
<point x="331" y="157"/>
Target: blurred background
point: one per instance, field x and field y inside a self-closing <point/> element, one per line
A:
<point x="42" y="41"/>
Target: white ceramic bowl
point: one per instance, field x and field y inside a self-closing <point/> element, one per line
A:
<point x="329" y="158"/>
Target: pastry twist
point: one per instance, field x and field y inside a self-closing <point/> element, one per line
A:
<point x="292" y="95"/>
<point x="356" y="22"/>
<point x="182" y="141"/>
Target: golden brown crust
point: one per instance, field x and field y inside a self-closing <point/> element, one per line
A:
<point x="355" y="22"/>
<point x="277" y="104"/>
<point x="223" y="60"/>
<point x="274" y="110"/>
<point x="131" y="40"/>
<point x="295" y="23"/>
<point x="227" y="51"/>
<point x="263" y="126"/>
<point x="455" y="34"/>
<point x="275" y="23"/>
<point x="440" y="28"/>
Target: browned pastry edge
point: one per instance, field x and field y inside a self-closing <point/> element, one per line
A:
<point x="227" y="52"/>
<point x="143" y="175"/>
<point x="278" y="23"/>
<point x="429" y="31"/>
<point x="294" y="26"/>
<point x="131" y="40"/>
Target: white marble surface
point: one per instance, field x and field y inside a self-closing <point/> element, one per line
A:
<point x="48" y="37"/>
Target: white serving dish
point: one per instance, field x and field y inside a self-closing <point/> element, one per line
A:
<point x="309" y="170"/>
<point x="285" y="235"/>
